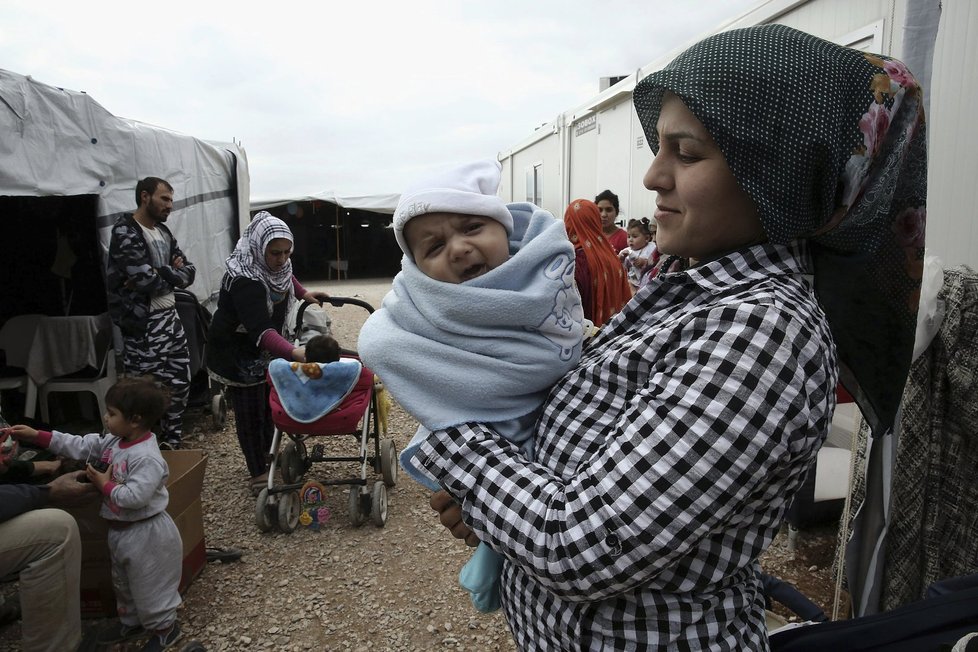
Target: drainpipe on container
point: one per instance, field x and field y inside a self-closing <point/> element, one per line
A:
<point x="564" y="162"/>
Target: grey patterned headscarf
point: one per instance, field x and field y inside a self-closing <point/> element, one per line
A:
<point x="248" y="258"/>
<point x="829" y="143"/>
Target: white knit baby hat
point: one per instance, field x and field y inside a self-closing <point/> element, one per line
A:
<point x="468" y="189"/>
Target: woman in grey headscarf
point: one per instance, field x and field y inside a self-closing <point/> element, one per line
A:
<point x="257" y="293"/>
<point x="790" y="178"/>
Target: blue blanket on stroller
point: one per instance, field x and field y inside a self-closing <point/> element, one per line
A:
<point x="307" y="395"/>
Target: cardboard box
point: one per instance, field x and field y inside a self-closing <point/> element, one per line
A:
<point x="184" y="484"/>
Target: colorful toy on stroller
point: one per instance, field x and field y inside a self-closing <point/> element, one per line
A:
<point x="324" y="400"/>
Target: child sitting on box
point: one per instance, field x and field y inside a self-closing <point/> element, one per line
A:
<point x="144" y="544"/>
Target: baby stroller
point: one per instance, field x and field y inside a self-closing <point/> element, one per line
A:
<point x="362" y="414"/>
<point x="204" y="392"/>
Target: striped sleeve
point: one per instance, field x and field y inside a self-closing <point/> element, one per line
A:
<point x="710" y="431"/>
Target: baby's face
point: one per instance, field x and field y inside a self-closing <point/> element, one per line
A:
<point x="637" y="238"/>
<point x="456" y="248"/>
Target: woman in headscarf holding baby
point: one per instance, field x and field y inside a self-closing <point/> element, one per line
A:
<point x="791" y="172"/>
<point x="257" y="294"/>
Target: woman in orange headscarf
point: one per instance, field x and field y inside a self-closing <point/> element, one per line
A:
<point x="600" y="276"/>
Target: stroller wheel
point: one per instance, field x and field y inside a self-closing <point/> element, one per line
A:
<point x="219" y="410"/>
<point x="293" y="462"/>
<point x="290" y="463"/>
<point x="263" y="515"/>
<point x="388" y="462"/>
<point x="288" y="511"/>
<point x="378" y="504"/>
<point x="356" y="507"/>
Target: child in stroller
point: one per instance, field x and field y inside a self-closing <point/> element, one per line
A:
<point x="322" y="348"/>
<point x="330" y="394"/>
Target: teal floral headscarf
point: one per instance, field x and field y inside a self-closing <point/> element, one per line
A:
<point x="829" y="142"/>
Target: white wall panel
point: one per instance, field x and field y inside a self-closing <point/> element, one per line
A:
<point x="952" y="184"/>
<point x="828" y="19"/>
<point x="583" y="158"/>
<point x="545" y="153"/>
<point x="613" y="170"/>
<point x="641" y="202"/>
<point x="506" y="182"/>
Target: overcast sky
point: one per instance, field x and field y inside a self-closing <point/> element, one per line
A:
<point x="355" y="96"/>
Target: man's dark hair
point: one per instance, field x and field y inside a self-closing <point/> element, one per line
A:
<point x="608" y="196"/>
<point x="149" y="184"/>
<point x="138" y="397"/>
<point x="322" y="348"/>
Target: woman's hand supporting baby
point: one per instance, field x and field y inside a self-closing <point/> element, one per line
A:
<point x="450" y="515"/>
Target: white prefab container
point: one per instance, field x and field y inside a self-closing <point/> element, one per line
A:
<point x="952" y="193"/>
<point x="600" y="144"/>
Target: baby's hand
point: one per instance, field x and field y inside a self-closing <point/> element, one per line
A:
<point x="98" y="478"/>
<point x="21" y="432"/>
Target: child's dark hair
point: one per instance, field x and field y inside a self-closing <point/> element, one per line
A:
<point x="644" y="225"/>
<point x="608" y="196"/>
<point x="138" y="398"/>
<point x="322" y="348"/>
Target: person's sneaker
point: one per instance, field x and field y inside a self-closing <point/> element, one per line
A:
<point x="118" y="632"/>
<point x="159" y="641"/>
<point x="170" y="445"/>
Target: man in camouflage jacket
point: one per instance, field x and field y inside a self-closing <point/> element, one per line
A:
<point x="144" y="265"/>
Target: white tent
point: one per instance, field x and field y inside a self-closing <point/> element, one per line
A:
<point x="61" y="143"/>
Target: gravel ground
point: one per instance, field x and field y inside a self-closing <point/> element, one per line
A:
<point x="360" y="588"/>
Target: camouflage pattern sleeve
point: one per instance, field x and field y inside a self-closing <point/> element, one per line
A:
<point x="130" y="264"/>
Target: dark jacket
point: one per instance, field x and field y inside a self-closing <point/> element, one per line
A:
<point x="16" y="499"/>
<point x="242" y="316"/>
<point x="130" y="279"/>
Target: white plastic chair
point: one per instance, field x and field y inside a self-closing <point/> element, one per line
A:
<point x="340" y="267"/>
<point x="97" y="385"/>
<point x="16" y="336"/>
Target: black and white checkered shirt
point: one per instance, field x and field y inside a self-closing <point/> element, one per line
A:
<point x="664" y="464"/>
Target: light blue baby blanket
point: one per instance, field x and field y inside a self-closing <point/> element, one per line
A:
<point x="487" y="350"/>
<point x="307" y="399"/>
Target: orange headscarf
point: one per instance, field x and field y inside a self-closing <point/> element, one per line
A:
<point x="610" y="289"/>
